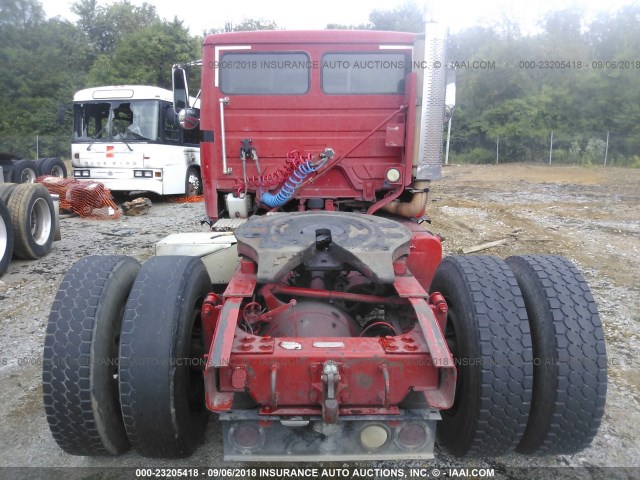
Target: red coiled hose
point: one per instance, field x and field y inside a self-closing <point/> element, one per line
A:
<point x="268" y="180"/>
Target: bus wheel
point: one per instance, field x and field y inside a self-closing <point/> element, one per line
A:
<point x="193" y="186"/>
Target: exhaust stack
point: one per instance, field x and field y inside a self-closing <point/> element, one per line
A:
<point x="431" y="55"/>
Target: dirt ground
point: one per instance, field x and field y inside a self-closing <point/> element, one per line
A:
<point x="590" y="215"/>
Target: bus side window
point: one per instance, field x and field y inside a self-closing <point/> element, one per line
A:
<point x="170" y="124"/>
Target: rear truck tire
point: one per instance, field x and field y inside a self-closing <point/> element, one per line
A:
<point x="6" y="237"/>
<point x="24" y="171"/>
<point x="488" y="335"/>
<point x="6" y="190"/>
<point x="34" y="220"/>
<point x="193" y="182"/>
<point x="79" y="376"/>
<point x="161" y="354"/>
<point x="54" y="167"/>
<point x="570" y="360"/>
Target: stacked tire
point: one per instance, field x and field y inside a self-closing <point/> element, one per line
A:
<point x="27" y="222"/>
<point x="51" y="166"/>
<point x="6" y="237"/>
<point x="26" y="171"/>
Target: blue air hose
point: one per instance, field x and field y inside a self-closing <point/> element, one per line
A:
<point x="289" y="187"/>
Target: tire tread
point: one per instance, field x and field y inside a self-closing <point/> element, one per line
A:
<point x="67" y="358"/>
<point x="505" y="348"/>
<point x="5" y="256"/>
<point x="24" y="246"/>
<point x="581" y="384"/>
<point x="148" y="332"/>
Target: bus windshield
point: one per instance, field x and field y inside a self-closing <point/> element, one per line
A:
<point x="116" y="120"/>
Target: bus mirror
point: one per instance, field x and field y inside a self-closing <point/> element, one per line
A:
<point x="450" y="91"/>
<point x="180" y="89"/>
<point x="188" y="118"/>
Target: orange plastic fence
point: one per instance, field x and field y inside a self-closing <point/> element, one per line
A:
<point x="87" y="199"/>
<point x="184" y="199"/>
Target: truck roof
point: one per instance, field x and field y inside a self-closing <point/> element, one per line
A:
<point x="311" y="36"/>
<point x="133" y="92"/>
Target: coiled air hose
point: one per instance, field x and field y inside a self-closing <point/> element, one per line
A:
<point x="290" y="186"/>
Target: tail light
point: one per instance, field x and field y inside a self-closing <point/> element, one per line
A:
<point x="411" y="436"/>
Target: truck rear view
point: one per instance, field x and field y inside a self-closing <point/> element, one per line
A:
<point x="339" y="332"/>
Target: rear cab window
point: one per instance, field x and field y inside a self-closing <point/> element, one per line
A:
<point x="364" y="73"/>
<point x="258" y="73"/>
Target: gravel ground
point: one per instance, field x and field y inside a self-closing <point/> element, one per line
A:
<point x="592" y="216"/>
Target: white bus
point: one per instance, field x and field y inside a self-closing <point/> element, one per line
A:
<point x="128" y="138"/>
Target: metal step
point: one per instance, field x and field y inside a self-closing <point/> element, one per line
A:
<point x="227" y="224"/>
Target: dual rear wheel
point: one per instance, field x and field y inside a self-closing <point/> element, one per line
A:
<point x="123" y="357"/>
<point x="529" y="345"/>
<point x="124" y="349"/>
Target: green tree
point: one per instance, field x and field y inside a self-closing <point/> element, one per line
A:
<point x="251" y="24"/>
<point x="105" y="26"/>
<point x="245" y="25"/>
<point x="21" y="13"/>
<point x="341" y="26"/>
<point x="405" y="18"/>
<point x="146" y="56"/>
<point x="43" y="64"/>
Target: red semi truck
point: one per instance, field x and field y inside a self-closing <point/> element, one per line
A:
<point x="317" y="319"/>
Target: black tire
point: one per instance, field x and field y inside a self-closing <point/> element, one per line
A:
<point x="162" y="396"/>
<point x="488" y="335"/>
<point x="6" y="238"/>
<point x="193" y="182"/>
<point x="7" y="167"/>
<point x="79" y="383"/>
<point x="24" y="171"/>
<point x="6" y="190"/>
<point x="54" y="167"/>
<point x="570" y="368"/>
<point x="39" y="162"/>
<point x="34" y="220"/>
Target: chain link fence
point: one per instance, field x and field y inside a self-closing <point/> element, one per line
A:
<point x="592" y="148"/>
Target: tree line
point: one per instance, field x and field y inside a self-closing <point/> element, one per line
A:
<point x="575" y="79"/>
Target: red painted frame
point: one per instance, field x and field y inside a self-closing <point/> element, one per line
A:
<point x="375" y="373"/>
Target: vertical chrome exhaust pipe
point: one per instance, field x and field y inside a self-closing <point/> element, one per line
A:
<point x="431" y="103"/>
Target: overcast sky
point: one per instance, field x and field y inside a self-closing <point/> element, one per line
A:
<point x="200" y="15"/>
